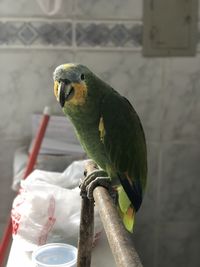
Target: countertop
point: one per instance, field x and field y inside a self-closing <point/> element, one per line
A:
<point x="101" y="255"/>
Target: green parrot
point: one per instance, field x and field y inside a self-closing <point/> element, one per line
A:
<point x="110" y="132"/>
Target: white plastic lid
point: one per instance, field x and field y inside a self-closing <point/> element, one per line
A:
<point x="55" y="255"/>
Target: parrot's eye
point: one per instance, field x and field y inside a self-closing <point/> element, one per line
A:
<point x="82" y="77"/>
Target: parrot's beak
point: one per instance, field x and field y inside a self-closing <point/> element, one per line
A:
<point x="65" y="92"/>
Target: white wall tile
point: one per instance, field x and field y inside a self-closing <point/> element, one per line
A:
<point x="26" y="86"/>
<point x="178" y="244"/>
<point x="181" y="107"/>
<point x="24" y="8"/>
<point x="128" y="9"/>
<point x="180" y="184"/>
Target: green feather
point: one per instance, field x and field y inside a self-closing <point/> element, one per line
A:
<point x="123" y="200"/>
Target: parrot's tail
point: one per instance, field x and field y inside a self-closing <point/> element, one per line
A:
<point x="129" y="219"/>
<point x="126" y="209"/>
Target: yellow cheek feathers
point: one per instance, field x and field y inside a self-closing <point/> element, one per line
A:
<point x="79" y="94"/>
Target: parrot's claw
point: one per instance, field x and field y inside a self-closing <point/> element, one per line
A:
<point x="99" y="181"/>
<point x="91" y="177"/>
<point x="94" y="179"/>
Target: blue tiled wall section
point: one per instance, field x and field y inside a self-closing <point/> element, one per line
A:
<point x="108" y="34"/>
<point x="32" y="33"/>
<point x="55" y="33"/>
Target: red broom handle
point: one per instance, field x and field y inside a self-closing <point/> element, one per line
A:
<point x="29" y="168"/>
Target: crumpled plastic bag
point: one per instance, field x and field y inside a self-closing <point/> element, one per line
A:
<point x="55" y="163"/>
<point x="47" y="209"/>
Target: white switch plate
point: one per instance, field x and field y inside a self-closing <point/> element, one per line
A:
<point x="170" y="27"/>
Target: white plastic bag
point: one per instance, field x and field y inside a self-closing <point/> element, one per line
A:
<point x="48" y="208"/>
<point x="55" y="163"/>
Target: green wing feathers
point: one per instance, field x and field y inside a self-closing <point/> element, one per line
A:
<point x="125" y="145"/>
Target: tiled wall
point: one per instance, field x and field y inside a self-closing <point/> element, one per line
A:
<point x="107" y="36"/>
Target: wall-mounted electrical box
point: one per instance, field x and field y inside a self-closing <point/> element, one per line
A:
<point x="170" y="27"/>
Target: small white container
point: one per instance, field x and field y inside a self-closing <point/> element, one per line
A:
<point x="55" y="255"/>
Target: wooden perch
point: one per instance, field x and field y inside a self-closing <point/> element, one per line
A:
<point x="86" y="225"/>
<point x="119" y="239"/>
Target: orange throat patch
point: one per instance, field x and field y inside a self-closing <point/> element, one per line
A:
<point x="80" y="94"/>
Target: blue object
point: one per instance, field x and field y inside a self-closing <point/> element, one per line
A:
<point x="55" y="254"/>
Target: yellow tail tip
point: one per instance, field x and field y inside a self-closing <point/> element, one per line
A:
<point x="129" y="219"/>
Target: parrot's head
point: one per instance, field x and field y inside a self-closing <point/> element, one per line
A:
<point x="71" y="84"/>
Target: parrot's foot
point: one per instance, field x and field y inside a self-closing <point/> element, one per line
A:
<point x="94" y="179"/>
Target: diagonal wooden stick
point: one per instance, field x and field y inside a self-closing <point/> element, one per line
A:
<point x="119" y="239"/>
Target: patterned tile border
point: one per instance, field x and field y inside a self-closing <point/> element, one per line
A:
<point x="70" y="34"/>
<point x="16" y="33"/>
<point x="108" y="35"/>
